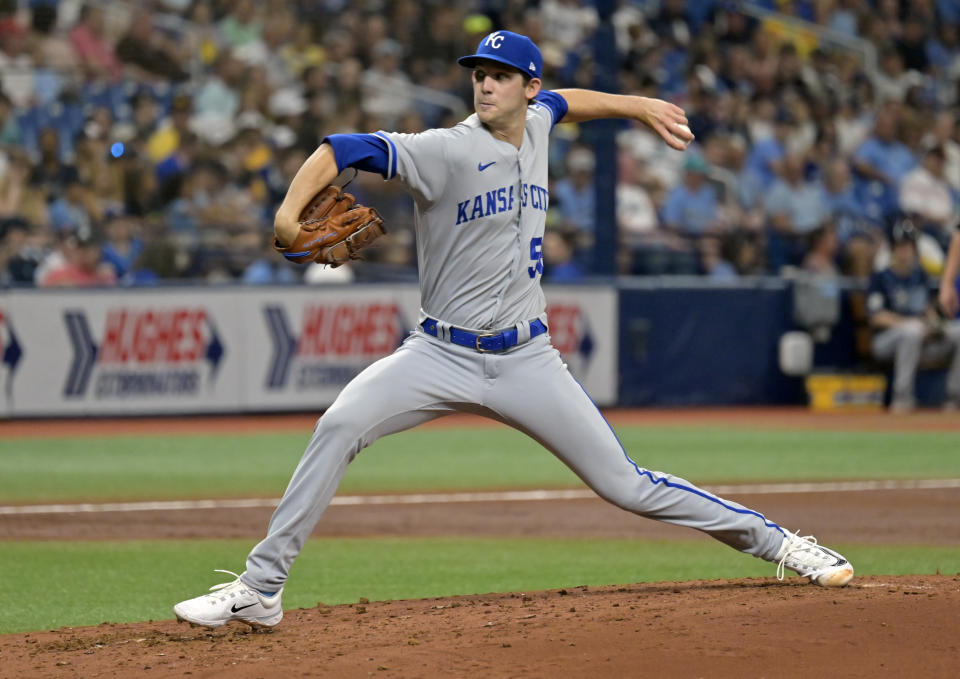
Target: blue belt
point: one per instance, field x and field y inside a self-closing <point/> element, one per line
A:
<point x="484" y="342"/>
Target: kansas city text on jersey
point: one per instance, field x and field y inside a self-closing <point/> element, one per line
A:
<point x="501" y="200"/>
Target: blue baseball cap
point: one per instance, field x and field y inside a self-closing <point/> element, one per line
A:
<point x="508" y="48"/>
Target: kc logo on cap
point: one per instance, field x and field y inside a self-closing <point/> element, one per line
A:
<point x="512" y="49"/>
<point x="494" y="40"/>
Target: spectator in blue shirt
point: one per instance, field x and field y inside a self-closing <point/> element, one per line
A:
<point x="713" y="264"/>
<point x="881" y="163"/>
<point x="575" y="194"/>
<point x="841" y="202"/>
<point x="765" y="158"/>
<point x="859" y="237"/>
<point x="943" y="50"/>
<point x="949" y="11"/>
<point x="123" y="247"/>
<point x="559" y="265"/>
<point x="905" y="326"/>
<point x="795" y="206"/>
<point x="691" y="207"/>
<point x="265" y="269"/>
<point x="70" y="208"/>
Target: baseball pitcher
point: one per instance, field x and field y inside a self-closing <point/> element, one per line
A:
<point x="482" y="344"/>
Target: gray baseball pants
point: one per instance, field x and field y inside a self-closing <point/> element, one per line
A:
<point x="528" y="388"/>
<point x="907" y="344"/>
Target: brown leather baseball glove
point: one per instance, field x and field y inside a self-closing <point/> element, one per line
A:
<point x="333" y="229"/>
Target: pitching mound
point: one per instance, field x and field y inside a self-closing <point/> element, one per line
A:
<point x="878" y="626"/>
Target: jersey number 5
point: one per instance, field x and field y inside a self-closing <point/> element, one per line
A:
<point x="536" y="257"/>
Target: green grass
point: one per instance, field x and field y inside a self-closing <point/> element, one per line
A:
<point x="41" y="470"/>
<point x="55" y="584"/>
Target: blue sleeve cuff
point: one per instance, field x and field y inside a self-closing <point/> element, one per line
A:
<point x="555" y="102"/>
<point x="367" y="152"/>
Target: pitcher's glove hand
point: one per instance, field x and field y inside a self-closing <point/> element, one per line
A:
<point x="333" y="229"/>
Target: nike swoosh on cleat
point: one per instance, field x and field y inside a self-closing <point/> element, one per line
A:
<point x="481" y="167"/>
<point x="234" y="609"/>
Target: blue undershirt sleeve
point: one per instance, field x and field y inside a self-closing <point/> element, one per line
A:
<point x="555" y="102"/>
<point x="366" y="152"/>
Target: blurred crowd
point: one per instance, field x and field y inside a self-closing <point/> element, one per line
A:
<point x="142" y="141"/>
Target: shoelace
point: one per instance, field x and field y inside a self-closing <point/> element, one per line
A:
<point x="796" y="544"/>
<point x="225" y="585"/>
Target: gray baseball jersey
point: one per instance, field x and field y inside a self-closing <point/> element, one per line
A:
<point x="481" y="207"/>
<point x="480" y="212"/>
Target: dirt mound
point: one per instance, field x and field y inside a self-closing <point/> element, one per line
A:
<point x="880" y="625"/>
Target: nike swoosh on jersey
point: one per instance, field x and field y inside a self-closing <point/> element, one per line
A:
<point x="481" y="167"/>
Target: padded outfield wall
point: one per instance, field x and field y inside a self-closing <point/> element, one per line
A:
<point x="648" y="342"/>
<point x="238" y="349"/>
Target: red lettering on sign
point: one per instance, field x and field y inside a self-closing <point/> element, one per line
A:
<point x="143" y="345"/>
<point x="151" y="336"/>
<point x="111" y="350"/>
<point x="196" y="345"/>
<point x="311" y="336"/>
<point x="176" y="336"/>
<point x="365" y="330"/>
<point x="342" y="328"/>
<point x="564" y="320"/>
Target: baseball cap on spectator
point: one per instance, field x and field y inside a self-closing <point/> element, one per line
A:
<point x="85" y="238"/>
<point x="287" y="101"/>
<point x="511" y="49"/>
<point x="581" y="160"/>
<point x="784" y="117"/>
<point x="387" y="48"/>
<point x="282" y="136"/>
<point x="250" y="120"/>
<point x="696" y="163"/>
<point x="214" y="129"/>
<point x="904" y="232"/>
<point x="706" y="77"/>
<point x="11" y="224"/>
<point x="114" y="212"/>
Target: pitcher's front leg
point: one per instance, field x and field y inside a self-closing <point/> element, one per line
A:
<point x="394" y="394"/>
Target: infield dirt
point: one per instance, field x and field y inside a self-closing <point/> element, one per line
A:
<point x="878" y="626"/>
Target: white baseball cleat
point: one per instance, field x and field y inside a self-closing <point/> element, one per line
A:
<point x="820" y="565"/>
<point x="231" y="601"/>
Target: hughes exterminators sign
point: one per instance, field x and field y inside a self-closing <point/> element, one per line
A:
<point x="122" y="351"/>
<point x="235" y="349"/>
<point x="331" y="343"/>
<point x="308" y="343"/>
<point x="142" y="352"/>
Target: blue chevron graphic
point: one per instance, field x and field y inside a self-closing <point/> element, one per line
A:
<point x="586" y="344"/>
<point x="13" y="352"/>
<point x="84" y="353"/>
<point x="215" y="350"/>
<point x="11" y="356"/>
<point x="284" y="347"/>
